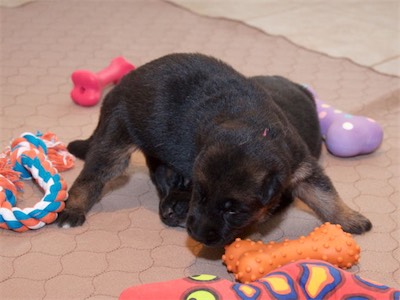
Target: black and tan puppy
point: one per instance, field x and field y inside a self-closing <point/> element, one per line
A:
<point x="224" y="151"/>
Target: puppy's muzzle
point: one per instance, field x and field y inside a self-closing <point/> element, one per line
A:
<point x="203" y="232"/>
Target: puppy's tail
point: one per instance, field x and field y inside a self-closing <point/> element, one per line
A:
<point x="79" y="148"/>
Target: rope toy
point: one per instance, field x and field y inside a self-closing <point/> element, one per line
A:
<point x="37" y="157"/>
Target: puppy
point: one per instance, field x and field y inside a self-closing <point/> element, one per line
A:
<point x="224" y="151"/>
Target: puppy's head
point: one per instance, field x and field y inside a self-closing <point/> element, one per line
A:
<point x="233" y="188"/>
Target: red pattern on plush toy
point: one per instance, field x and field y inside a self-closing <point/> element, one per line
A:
<point x="250" y="260"/>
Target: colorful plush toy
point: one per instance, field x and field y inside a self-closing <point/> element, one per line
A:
<point x="37" y="157"/>
<point x="88" y="86"/>
<point x="306" y="279"/>
<point x="347" y="135"/>
<point x="250" y="260"/>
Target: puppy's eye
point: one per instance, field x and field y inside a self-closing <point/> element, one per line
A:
<point x="230" y="208"/>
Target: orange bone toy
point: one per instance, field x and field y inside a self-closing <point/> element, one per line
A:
<point x="250" y="260"/>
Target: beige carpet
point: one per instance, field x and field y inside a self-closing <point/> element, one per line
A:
<point x="123" y="242"/>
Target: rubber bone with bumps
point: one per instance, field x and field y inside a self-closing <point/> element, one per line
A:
<point x="250" y="260"/>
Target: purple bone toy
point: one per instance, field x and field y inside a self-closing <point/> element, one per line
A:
<point x="347" y="135"/>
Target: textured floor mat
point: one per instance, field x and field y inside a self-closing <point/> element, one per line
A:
<point x="123" y="242"/>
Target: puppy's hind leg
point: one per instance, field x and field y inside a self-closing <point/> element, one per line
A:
<point x="106" y="159"/>
<point x="314" y="188"/>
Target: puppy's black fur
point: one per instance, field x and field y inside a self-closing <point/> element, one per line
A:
<point x="223" y="150"/>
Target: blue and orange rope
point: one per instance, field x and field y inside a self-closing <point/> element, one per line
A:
<point x="33" y="156"/>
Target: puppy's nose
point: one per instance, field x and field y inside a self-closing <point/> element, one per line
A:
<point x="212" y="236"/>
<point x="167" y="213"/>
<point x="201" y="232"/>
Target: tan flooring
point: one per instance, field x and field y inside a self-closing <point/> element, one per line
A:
<point x="124" y="242"/>
<point x="367" y="32"/>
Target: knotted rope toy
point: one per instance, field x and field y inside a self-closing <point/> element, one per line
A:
<point x="39" y="157"/>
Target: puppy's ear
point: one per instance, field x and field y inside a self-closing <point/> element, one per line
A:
<point x="271" y="187"/>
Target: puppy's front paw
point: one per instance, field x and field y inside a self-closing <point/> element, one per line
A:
<point x="71" y="217"/>
<point x="356" y="223"/>
<point x="174" y="208"/>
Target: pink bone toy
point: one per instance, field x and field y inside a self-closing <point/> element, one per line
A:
<point x="347" y="135"/>
<point x="88" y="85"/>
